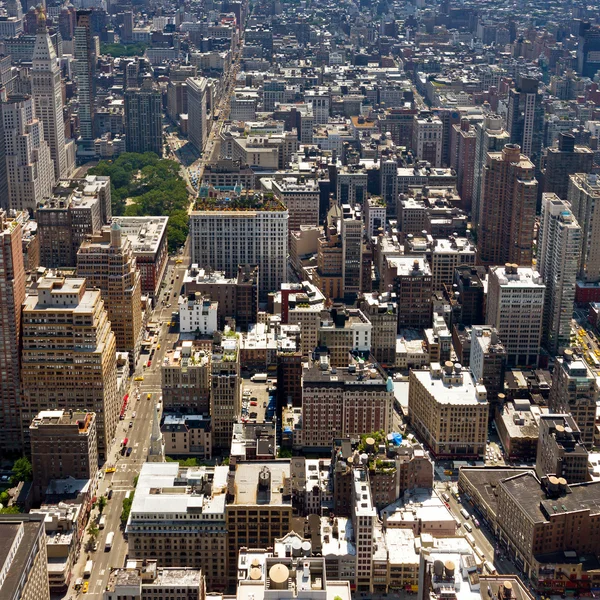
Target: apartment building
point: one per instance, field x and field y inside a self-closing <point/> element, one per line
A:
<point x="250" y="230"/>
<point x="515" y="308"/>
<point x="24" y="561"/>
<point x="427" y="139"/>
<point x="583" y="195"/>
<point x="449" y="411"/>
<point x="259" y="507"/>
<point x="197" y="314"/>
<point x="302" y="306"/>
<point x="187" y="435"/>
<point x="487" y="362"/>
<point x="63" y="444"/>
<point x="178" y="519"/>
<point x="225" y="397"/>
<point x="12" y="295"/>
<point x="375" y="210"/>
<point x="364" y="517"/>
<point x="560" y="449"/>
<point x="186" y="379"/>
<point x="69" y="355"/>
<point x="339" y="402"/>
<point x="107" y="262"/>
<point x="507" y="209"/>
<point x="236" y="297"/>
<point x="575" y="391"/>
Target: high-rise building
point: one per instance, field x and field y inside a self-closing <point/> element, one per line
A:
<point x="300" y="197"/>
<point x="525" y="120"/>
<point x="575" y="390"/>
<point x="559" y="252"/>
<point x="352" y="244"/>
<point x="427" y="141"/>
<point x="225" y="396"/>
<point x="469" y="294"/>
<point x="12" y="295"/>
<point x="107" y="262"/>
<point x="255" y="232"/>
<point x="562" y="161"/>
<point x="507" y="211"/>
<point x="448" y="409"/>
<point x="85" y="65"/>
<point x="196" y="101"/>
<point x="47" y="94"/>
<point x="584" y="197"/>
<point x="487" y="362"/>
<point x="69" y="355"/>
<point x="490" y="137"/>
<point x="143" y="119"/>
<point x="63" y="444"/>
<point x="388" y="173"/>
<point x="25" y="560"/>
<point x="515" y="308"/>
<point x="30" y="172"/>
<point x="588" y="50"/>
<point x="382" y="312"/>
<point x="465" y="137"/>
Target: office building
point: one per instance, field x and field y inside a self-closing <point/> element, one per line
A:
<point x="186" y="380"/>
<point x="255" y="231"/>
<point x="259" y="507"/>
<point x="515" y="308"/>
<point x="328" y="275"/>
<point x="81" y="373"/>
<point x="574" y="391"/>
<point x="487" y="362"/>
<point x="107" y="262"/>
<point x="78" y="208"/>
<point x="525" y="119"/>
<point x="469" y="294"/>
<point x="375" y="211"/>
<point x="463" y="155"/>
<point x="382" y="312"/>
<point x="351" y="186"/>
<point x="427" y="139"/>
<point x="584" y="196"/>
<point x="186" y="435"/>
<point x="12" y="295"/>
<point x="410" y="279"/>
<point x="143" y="579"/>
<point x="559" y="252"/>
<point x="388" y="172"/>
<point x="143" y="119"/>
<point x="342" y="331"/>
<point x="46" y="90"/>
<point x="29" y="167"/>
<point x="63" y="444"/>
<point x="225" y="396"/>
<point x="588" y="48"/>
<point x="564" y="160"/>
<point x="196" y="101"/>
<point x="560" y="451"/>
<point x="490" y="137"/>
<point x="148" y="236"/>
<point x="448" y="409"/>
<point x="24" y="558"/>
<point x="301" y="198"/>
<point x="352" y="245"/>
<point x="85" y="62"/>
<point x="507" y="211"/>
<point x="197" y="314"/>
<point x="235" y="297"/>
<point x="179" y="515"/>
<point x="177" y="91"/>
<point x="347" y="401"/>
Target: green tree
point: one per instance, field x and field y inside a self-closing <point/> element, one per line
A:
<point x="10" y="510"/>
<point x="22" y="471"/>
<point x="101" y="504"/>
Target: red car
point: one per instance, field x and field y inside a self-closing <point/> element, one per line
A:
<point x="149" y="363"/>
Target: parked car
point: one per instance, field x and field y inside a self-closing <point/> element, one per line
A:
<point x="129" y="450"/>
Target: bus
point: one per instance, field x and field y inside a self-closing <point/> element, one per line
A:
<point x="109" y="541"/>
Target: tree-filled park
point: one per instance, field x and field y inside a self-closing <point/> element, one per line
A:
<point x="143" y="185"/>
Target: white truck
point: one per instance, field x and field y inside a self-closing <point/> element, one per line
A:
<point x="87" y="571"/>
<point x="102" y="522"/>
<point x="259" y="378"/>
<point x="109" y="541"/>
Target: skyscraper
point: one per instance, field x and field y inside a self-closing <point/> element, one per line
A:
<point x="507" y="208"/>
<point x="588" y="50"/>
<point x="30" y="172"/>
<point x="196" y="100"/>
<point x="12" y="294"/>
<point x="525" y="120"/>
<point x="107" y="262"/>
<point x="490" y="137"/>
<point x="72" y="363"/>
<point x="85" y="59"/>
<point x="562" y="161"/>
<point x="143" y="119"/>
<point x="47" y="95"/>
<point x="559" y="250"/>
<point x="352" y="234"/>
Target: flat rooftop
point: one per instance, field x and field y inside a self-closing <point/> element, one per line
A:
<point x="144" y="233"/>
<point x="276" y="490"/>
<point x="465" y="392"/>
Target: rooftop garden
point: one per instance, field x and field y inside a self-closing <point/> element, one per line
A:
<point x="251" y="201"/>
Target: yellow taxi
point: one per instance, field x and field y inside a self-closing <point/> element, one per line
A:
<point x="148" y="396"/>
<point x="109" y="470"/>
<point x="178" y="261"/>
<point x="86" y="587"/>
<point x="139" y="378"/>
<point x="158" y="347"/>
